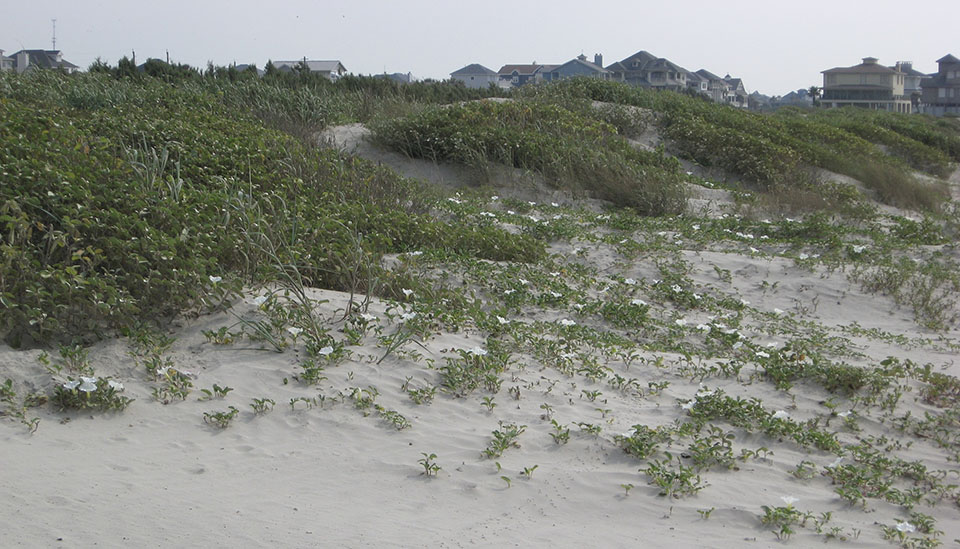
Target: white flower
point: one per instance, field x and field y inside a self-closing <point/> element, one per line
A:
<point x="688" y="405"/>
<point x="215" y="279"/>
<point x="906" y="528"/>
<point x="697" y="297"/>
<point x="638" y="302"/>
<point x="508" y="292"/>
<point x="494" y="197"/>
<point x="407" y="292"/>
<point x="676" y="288"/>
<point x="662" y="233"/>
<point x="703" y="327"/>
<point x="532" y="203"/>
<point x="763" y="354"/>
<point x="803" y="256"/>
<point x="578" y="306"/>
<point x="524" y="282"/>
<point x="567" y="322"/>
<point x="859" y="249"/>
<point x="754" y="250"/>
<point x="477" y="351"/>
<point x="294" y="331"/>
<point x="408" y="316"/>
<point x="680" y="322"/>
<point x="789" y="500"/>
<point x="695" y="227"/>
<point x="844" y="414"/>
<point x="744" y="302"/>
<point x="624" y="241"/>
<point x="533" y="218"/>
<point x="259" y="300"/>
<point x="115" y="385"/>
<point x="555" y="274"/>
<point x="777" y="311"/>
<point x="555" y="205"/>
<point x="836" y="463"/>
<point x="368" y="317"/>
<point x="455" y="201"/>
<point x="89" y="384"/>
<point x="502" y="320"/>
<point x="629" y="281"/>
<point x="325" y="351"/>
<point x="511" y="212"/>
<point x="71" y="385"/>
<point x="781" y="414"/>
<point x="555" y="295"/>
<point x="737" y="345"/>
<point x="415" y="254"/>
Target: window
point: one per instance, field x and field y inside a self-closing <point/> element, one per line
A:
<point x="941" y="92"/>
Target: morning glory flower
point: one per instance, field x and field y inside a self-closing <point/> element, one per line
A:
<point x="511" y="212"/>
<point x="325" y="351"/>
<point x="789" y="500"/>
<point x="844" y="414"/>
<point x="415" y="254"/>
<point x="89" y="384"/>
<point x="754" y="250"/>
<point x="777" y="311"/>
<point x="259" y="300"/>
<point x="508" y="292"/>
<point x="502" y="320"/>
<point x="676" y="288"/>
<point x="859" y="249"/>
<point x="836" y="463"/>
<point x="567" y="322"/>
<point x="680" y="322"/>
<point x="803" y="256"/>
<point x="368" y="317"/>
<point x="688" y="405"/>
<point x="71" y="385"/>
<point x="215" y="279"/>
<point x="494" y="197"/>
<point x="524" y="282"/>
<point x="407" y="292"/>
<point x="629" y="281"/>
<point x="555" y="273"/>
<point x="555" y="205"/>
<point x="408" y="316"/>
<point x="695" y="227"/>
<point x="638" y="302"/>
<point x="294" y="331"/>
<point x="703" y="327"/>
<point x="744" y="302"/>
<point x="737" y="345"/>
<point x="906" y="528"/>
<point x="477" y="351"/>
<point x="781" y="414"/>
<point x="116" y="386"/>
<point x="763" y="354"/>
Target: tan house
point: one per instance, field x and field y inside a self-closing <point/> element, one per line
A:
<point x="869" y="85"/>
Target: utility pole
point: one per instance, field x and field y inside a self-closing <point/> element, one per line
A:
<point x="54" y="34"/>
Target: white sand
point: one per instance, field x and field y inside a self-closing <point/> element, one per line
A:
<point x="157" y="476"/>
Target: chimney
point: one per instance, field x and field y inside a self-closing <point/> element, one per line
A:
<point x="870" y="60"/>
<point x="598" y="59"/>
<point x="23" y="61"/>
<point x="582" y="57"/>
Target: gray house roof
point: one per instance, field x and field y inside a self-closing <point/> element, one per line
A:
<point x="45" y="59"/>
<point x="507" y="70"/>
<point x="473" y="70"/>
<point x="708" y="75"/>
<point x="948" y="59"/>
<point x="593" y="67"/>
<point x="327" y="66"/>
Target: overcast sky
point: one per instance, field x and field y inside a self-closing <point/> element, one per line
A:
<point x="775" y="47"/>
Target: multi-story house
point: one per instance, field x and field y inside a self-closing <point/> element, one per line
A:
<point x="941" y="93"/>
<point x="475" y="76"/>
<point x="518" y="75"/>
<point x="644" y="69"/>
<point x="737" y="97"/>
<point x="578" y="66"/>
<point x="6" y="63"/>
<point x="869" y="85"/>
<point x="911" y="83"/>
<point x="718" y="89"/>
<point x="28" y="60"/>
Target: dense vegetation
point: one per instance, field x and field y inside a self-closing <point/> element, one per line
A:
<point x="129" y="195"/>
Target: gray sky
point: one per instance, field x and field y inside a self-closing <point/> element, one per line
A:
<point x="774" y="46"/>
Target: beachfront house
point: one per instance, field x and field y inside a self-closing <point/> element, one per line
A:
<point x="737" y="97"/>
<point x="697" y="83"/>
<point x="718" y="89"/>
<point x="941" y="93"/>
<point x="29" y="60"/>
<point x="869" y="85"/>
<point x="6" y="63"/>
<point x="911" y="83"/>
<point x="645" y="69"/>
<point x="578" y="66"/>
<point x="518" y="75"/>
<point x="475" y="76"/>
<point x="330" y="69"/>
